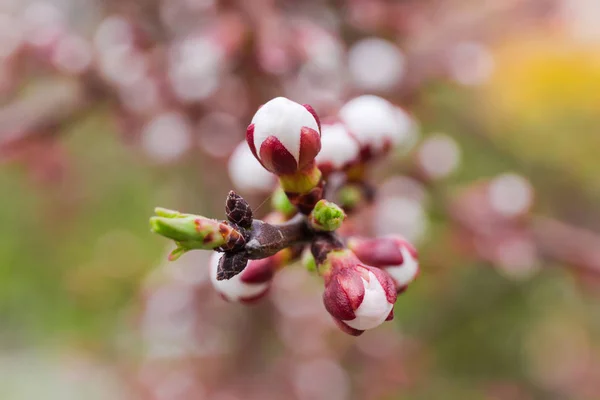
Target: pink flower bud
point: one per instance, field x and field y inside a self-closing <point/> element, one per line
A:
<point x="284" y="136"/>
<point x="339" y="149"/>
<point x="359" y="297"/>
<point x="249" y="285"/>
<point x="392" y="253"/>
<point x="376" y="124"/>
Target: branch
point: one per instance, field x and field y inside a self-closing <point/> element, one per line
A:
<point x="266" y="239"/>
<point x="553" y="239"/>
<point x="242" y="237"/>
<point x="568" y="244"/>
<point x="34" y="114"/>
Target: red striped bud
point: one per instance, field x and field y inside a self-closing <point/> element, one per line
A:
<point x="284" y="136"/>
<point x="392" y="253"/>
<point x="358" y="296"/>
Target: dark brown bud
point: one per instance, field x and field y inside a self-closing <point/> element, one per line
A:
<point x="238" y="210"/>
<point x="230" y="265"/>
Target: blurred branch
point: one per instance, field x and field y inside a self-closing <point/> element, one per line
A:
<point x="45" y="108"/>
<point x="568" y="244"/>
<point x="555" y="240"/>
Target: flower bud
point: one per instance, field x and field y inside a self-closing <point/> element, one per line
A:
<point x="247" y="174"/>
<point x="339" y="149"/>
<point x="359" y="297"/>
<point x="392" y="253"/>
<point x="251" y="284"/>
<point x="285" y="137"/>
<point x="326" y="216"/>
<point x="376" y="124"/>
<point x="238" y="210"/>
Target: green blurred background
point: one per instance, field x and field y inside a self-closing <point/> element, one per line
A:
<point x="76" y="254"/>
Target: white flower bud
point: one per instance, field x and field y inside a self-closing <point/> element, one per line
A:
<point x="406" y="272"/>
<point x="376" y="123"/>
<point x="284" y="136"/>
<point x="338" y="148"/>
<point x="358" y="296"/>
<point x="246" y="173"/>
<point x="393" y="254"/>
<point x="235" y="289"/>
<point x="375" y="307"/>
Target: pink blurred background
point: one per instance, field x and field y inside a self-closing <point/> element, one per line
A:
<point x="109" y="108"/>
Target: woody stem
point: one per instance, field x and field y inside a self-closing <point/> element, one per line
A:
<point x="266" y="239"/>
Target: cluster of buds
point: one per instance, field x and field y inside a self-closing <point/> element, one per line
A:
<point x="365" y="129"/>
<point x="362" y="276"/>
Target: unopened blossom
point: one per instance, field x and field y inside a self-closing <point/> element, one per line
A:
<point x="285" y="137"/>
<point x="339" y="149"/>
<point x="392" y="253"/>
<point x="326" y="216"/>
<point x="377" y="124"/>
<point x="251" y="284"/>
<point x="358" y="296"/>
<point x="247" y="174"/>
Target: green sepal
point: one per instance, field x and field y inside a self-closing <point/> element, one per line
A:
<point x="301" y="182"/>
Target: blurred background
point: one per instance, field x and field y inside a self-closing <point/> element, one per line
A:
<point x="109" y="108"/>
